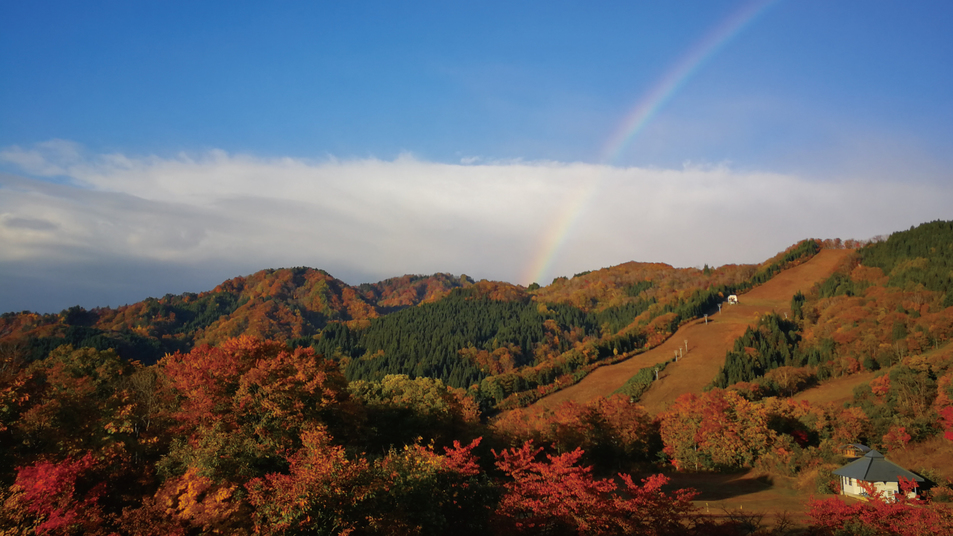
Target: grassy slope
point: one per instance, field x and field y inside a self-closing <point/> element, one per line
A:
<point x="837" y="390"/>
<point x="707" y="344"/>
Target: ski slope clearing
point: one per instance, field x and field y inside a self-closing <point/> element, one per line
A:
<point x="706" y="343"/>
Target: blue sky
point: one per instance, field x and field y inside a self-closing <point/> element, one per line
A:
<point x="433" y="136"/>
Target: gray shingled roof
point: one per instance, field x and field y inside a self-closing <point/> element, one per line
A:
<point x="873" y="467"/>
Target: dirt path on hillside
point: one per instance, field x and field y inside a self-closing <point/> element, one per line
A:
<point x="707" y="343"/>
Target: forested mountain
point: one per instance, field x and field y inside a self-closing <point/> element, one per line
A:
<point x="271" y="304"/>
<point x="886" y="312"/>
<point x="891" y="299"/>
<point x="507" y="343"/>
<point x="288" y="402"/>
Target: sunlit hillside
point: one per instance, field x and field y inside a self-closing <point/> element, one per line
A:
<point x="289" y="402"/>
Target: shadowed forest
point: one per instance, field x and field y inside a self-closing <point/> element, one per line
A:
<point x="288" y="402"/>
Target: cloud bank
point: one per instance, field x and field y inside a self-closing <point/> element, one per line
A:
<point x="111" y="229"/>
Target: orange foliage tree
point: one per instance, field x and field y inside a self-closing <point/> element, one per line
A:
<point x="408" y="492"/>
<point x="260" y="385"/>
<point x="244" y="405"/>
<point x="717" y="429"/>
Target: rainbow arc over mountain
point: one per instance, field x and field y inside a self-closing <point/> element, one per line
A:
<point x="640" y="115"/>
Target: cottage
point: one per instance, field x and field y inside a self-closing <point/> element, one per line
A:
<point x="733" y="299"/>
<point x="854" y="450"/>
<point x="875" y="470"/>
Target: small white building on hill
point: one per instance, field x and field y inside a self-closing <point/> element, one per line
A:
<point x="875" y="470"/>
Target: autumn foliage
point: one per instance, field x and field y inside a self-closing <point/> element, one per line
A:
<point x="58" y="498"/>
<point x="254" y="437"/>
<point x="558" y="496"/>
<point x="718" y="429"/>
<point x="245" y="421"/>
<point x="611" y="431"/>
<point x="897" y="515"/>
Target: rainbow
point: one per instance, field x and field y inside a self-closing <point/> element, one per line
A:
<point x="669" y="84"/>
<point x="635" y="121"/>
<point x="558" y="232"/>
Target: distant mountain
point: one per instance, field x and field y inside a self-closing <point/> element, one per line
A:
<point x="270" y="304"/>
<point x="508" y="342"/>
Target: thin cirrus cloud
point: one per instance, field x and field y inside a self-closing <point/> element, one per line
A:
<point x="119" y="228"/>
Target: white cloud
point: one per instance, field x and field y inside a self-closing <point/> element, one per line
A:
<point x="46" y="159"/>
<point x="374" y="218"/>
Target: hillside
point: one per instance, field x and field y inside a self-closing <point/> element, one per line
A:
<point x="576" y="339"/>
<point x="843" y="319"/>
<point x="852" y="346"/>
<point x="509" y="345"/>
<point x="707" y="342"/>
<point x="280" y="304"/>
<point x="412" y="400"/>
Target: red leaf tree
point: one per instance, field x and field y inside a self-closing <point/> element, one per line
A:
<point x="558" y="496"/>
<point x="899" y="515"/>
<point x="57" y="498"/>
